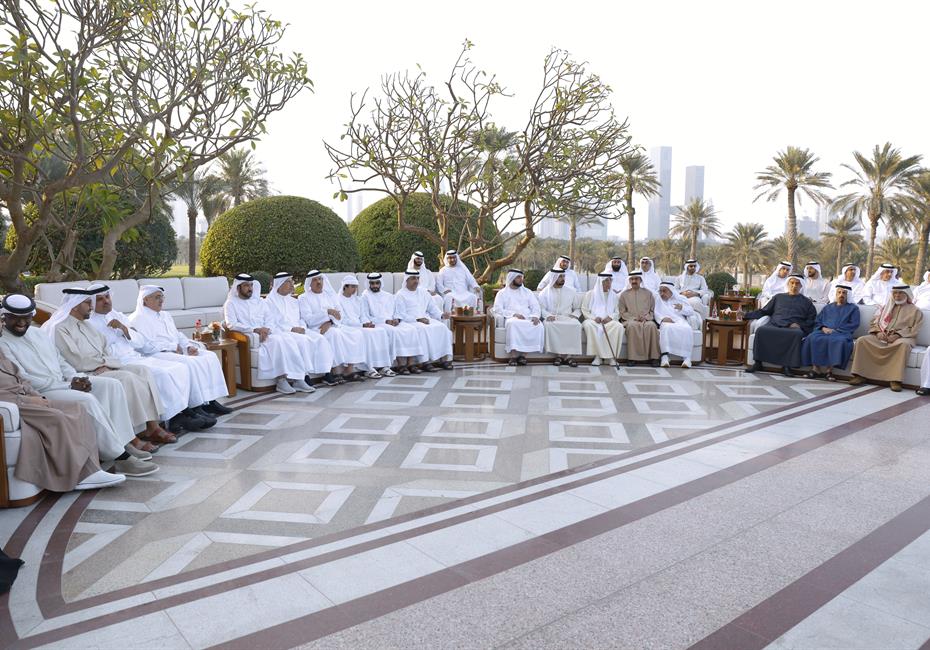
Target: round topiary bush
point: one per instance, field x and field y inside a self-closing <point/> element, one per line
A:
<point x="381" y="247"/>
<point x="720" y="282"/>
<point x="278" y="233"/>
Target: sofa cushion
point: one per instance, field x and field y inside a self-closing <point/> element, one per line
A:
<point x="204" y="292"/>
<point x="10" y="414"/>
<point x="174" y="292"/>
<point x="124" y="294"/>
<point x="51" y="292"/>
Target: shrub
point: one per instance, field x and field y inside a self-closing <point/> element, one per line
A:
<point x="382" y="247"/>
<point x="278" y="233"/>
<point x="264" y="279"/>
<point x="720" y="282"/>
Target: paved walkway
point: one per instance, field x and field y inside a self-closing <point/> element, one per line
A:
<point x="493" y="506"/>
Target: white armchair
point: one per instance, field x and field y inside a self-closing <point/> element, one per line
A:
<point x="13" y="492"/>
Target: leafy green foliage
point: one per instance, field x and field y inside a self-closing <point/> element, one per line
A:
<point x="264" y="279"/>
<point x="278" y="233"/>
<point x="719" y="282"/>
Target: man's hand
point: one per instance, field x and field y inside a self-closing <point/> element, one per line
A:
<point x="192" y="351"/>
<point x="298" y="330"/>
<point x="795" y="326"/>
<point x="81" y="384"/>
<point x="827" y="330"/>
<point x="891" y="337"/>
<point x="667" y="320"/>
<point x="115" y="324"/>
<point x="519" y="316"/>
<point x="447" y="291"/>
<point x="606" y="319"/>
<point x="334" y="313"/>
<point x="550" y="318"/>
<point x="598" y="320"/>
<point x="678" y="306"/>
<point x="393" y="322"/>
<point x="179" y="350"/>
<point x="325" y="327"/>
<point x="368" y="325"/>
<point x="425" y="321"/>
<point x="263" y="333"/>
<point x="535" y="320"/>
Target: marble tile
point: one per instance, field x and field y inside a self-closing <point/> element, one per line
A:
<point x="475" y="401"/>
<point x="334" y="497"/>
<point x="384" y="399"/>
<point x="659" y="388"/>
<point x="562" y="458"/>
<point x="752" y="392"/>
<point x="482" y="427"/>
<point x="577" y="386"/>
<point x="560" y="405"/>
<point x="483" y="383"/>
<point x="342" y="453"/>
<point x="579" y="431"/>
<point x="362" y="423"/>
<point x="668" y="406"/>
<point x="391" y="498"/>
<point x="213" y="446"/>
<point x="471" y="458"/>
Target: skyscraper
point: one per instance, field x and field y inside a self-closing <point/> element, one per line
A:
<point x="660" y="206"/>
<point x="694" y="183"/>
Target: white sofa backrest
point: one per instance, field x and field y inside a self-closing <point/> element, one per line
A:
<point x="51" y="292"/>
<point x="204" y="292"/>
<point x="174" y="292"/>
<point x="866" y="312"/>
<point x="124" y="294"/>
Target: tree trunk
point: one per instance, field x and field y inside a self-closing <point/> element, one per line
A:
<point x="12" y="264"/>
<point x="112" y="237"/>
<point x="747" y="278"/>
<point x="694" y="237"/>
<point x="572" y="234"/>
<point x="839" y="260"/>
<point x="873" y="231"/>
<point x="631" y="243"/>
<point x="920" y="264"/>
<point x="191" y="242"/>
<point x="791" y="232"/>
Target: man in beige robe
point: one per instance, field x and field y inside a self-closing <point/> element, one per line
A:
<point x="85" y="349"/>
<point x="560" y="307"/>
<point x="637" y="311"/>
<point x="602" y="328"/>
<point x="882" y="353"/>
<point x="58" y="448"/>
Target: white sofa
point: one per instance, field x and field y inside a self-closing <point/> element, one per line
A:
<point x="866" y="312"/>
<point x="13" y="492"/>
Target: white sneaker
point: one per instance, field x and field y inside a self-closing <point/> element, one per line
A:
<point x="137" y="453"/>
<point x="303" y="386"/>
<point x="100" y="479"/>
<point x="686" y="363"/>
<point x="665" y="362"/>
<point x="284" y="387"/>
<point x="134" y="468"/>
<point x="596" y="361"/>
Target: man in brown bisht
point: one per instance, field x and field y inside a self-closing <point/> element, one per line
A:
<point x="58" y="448"/>
<point x="637" y="307"/>
<point x="882" y="353"/>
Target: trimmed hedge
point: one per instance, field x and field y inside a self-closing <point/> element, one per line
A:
<point x="278" y="233"/>
<point x="382" y="247"/>
<point x="720" y="282"/>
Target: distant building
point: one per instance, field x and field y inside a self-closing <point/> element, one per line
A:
<point x="593" y="230"/>
<point x="354" y="205"/>
<point x="660" y="206"/>
<point x="807" y="226"/>
<point x="694" y="183"/>
<point x="551" y="228"/>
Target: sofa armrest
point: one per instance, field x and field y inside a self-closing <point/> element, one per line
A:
<point x="498" y="320"/>
<point x="10" y="414"/>
<point x="757" y="323"/>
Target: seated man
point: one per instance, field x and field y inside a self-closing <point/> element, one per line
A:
<point x="618" y="271"/>
<point x="922" y="293"/>
<point x="57" y="450"/>
<point x="319" y="312"/>
<point x="279" y="356"/>
<point x="637" y="312"/>
<point x="414" y="306"/>
<point x="877" y="290"/>
<point x="128" y="345"/>
<point x="560" y="307"/>
<point x="602" y="328"/>
<point x="775" y="283"/>
<point x="815" y="287"/>
<point x="427" y="278"/>
<point x="378" y="354"/>
<point x="849" y="276"/>
<point x="86" y="350"/>
<point x="523" y="327"/>
<point x="882" y="353"/>
<point x="562" y="265"/>
<point x="456" y="284"/>
<point x="676" y="336"/>
<point x="831" y="343"/>
<point x="164" y="341"/>
<point x="648" y="276"/>
<point x="408" y="342"/>
<point x="791" y="318"/>
<point x="103" y="398"/>
<point x="285" y="311"/>
<point x="692" y="286"/>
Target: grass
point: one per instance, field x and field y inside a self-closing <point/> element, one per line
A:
<point x="180" y="271"/>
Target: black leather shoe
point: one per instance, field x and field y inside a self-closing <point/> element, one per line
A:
<point x="756" y="367"/>
<point x="654" y="363"/>
<point x="215" y="408"/>
<point x="923" y="391"/>
<point x="786" y="371"/>
<point x="200" y="414"/>
<point x="630" y="364"/>
<point x="189" y="422"/>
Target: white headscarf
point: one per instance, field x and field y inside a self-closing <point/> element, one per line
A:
<point x="71" y="300"/>
<point x="416" y="254"/>
<point x="346" y="281"/>
<point x="886" y="316"/>
<point x="666" y="308"/>
<point x="242" y="278"/>
<point x="18" y="305"/>
<point x="842" y="276"/>
<point x="458" y="268"/>
<point x="619" y="282"/>
<point x="275" y="299"/>
<point x="922" y="293"/>
<point x="145" y="291"/>
<point x="511" y="274"/>
<point x="813" y="265"/>
<point x="603" y="303"/>
<point x="650" y="277"/>
<point x="885" y="267"/>
<point x="775" y="284"/>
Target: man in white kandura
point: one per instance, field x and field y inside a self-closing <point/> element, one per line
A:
<point x="878" y="289"/>
<point x="163" y="337"/>
<point x="279" y="356"/>
<point x="775" y="283"/>
<point x="815" y="287"/>
<point x="132" y="347"/>
<point x="408" y="342"/>
<point x="43" y="366"/>
<point x="676" y="336"/>
<point x="692" y="286"/>
<point x="618" y="271"/>
<point x="523" y="324"/>
<point x="379" y="355"/>
<point x="850" y="277"/>
<point x="563" y="265"/>
<point x="427" y="278"/>
<point x="602" y="328"/>
<point x="319" y="311"/>
<point x="560" y="307"/>
<point x="922" y="293"/>
<point x="650" y="279"/>
<point x="285" y="310"/>
<point x="456" y="284"/>
<point x="414" y="306"/>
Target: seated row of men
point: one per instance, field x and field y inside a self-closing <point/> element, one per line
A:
<point x="344" y="336"/>
<point x="655" y="326"/>
<point x="93" y="385"/>
<point x="796" y="335"/>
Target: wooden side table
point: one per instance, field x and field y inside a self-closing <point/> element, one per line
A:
<point x="469" y="337"/>
<point x="228" y="349"/>
<point x="726" y="342"/>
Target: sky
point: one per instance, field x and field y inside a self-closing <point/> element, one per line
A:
<point x="726" y="84"/>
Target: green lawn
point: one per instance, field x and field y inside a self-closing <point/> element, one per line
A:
<point x="179" y="271"/>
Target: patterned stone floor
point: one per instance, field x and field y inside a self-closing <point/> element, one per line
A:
<point x="282" y="470"/>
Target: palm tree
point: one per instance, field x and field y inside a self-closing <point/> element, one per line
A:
<point x="843" y="232"/>
<point x="805" y="247"/>
<point x="879" y="182"/>
<point x="793" y="171"/>
<point x="242" y="176"/>
<point x="638" y="176"/>
<point x="747" y="247"/>
<point x="693" y="220"/>
<point x="667" y="254"/>
<point x="918" y="195"/>
<point x="200" y="192"/>
<point x="897" y="250"/>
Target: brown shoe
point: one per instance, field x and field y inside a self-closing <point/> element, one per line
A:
<point x="856" y="380"/>
<point x="896" y="386"/>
